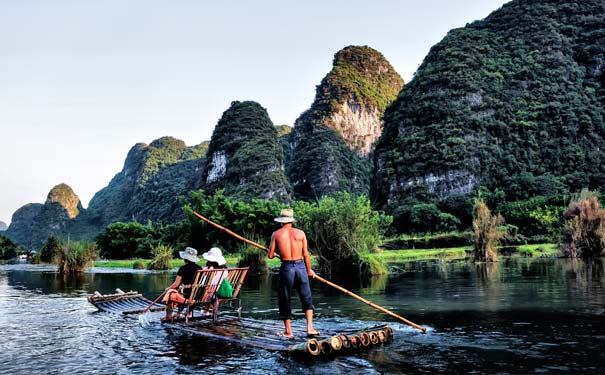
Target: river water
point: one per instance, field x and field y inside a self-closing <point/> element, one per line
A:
<point x="519" y="315"/>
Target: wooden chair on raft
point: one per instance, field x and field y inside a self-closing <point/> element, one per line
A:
<point x="204" y="291"/>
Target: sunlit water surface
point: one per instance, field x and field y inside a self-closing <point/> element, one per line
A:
<point x="516" y="316"/>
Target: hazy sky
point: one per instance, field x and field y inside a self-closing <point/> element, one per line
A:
<point x="82" y="81"/>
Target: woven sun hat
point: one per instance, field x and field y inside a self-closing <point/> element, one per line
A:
<point x="286" y="216"/>
<point x="215" y="255"/>
<point x="190" y="254"/>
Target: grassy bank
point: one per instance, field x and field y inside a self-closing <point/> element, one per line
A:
<point x="174" y="264"/>
<point x="387" y="256"/>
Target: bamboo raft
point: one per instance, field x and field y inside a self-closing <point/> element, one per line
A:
<point x="252" y="332"/>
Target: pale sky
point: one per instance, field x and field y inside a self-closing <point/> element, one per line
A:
<point x="82" y="81"/>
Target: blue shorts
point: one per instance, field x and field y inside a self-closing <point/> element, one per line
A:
<point x="293" y="275"/>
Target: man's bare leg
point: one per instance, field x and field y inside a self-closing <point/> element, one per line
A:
<point x="309" y="316"/>
<point x="288" y="327"/>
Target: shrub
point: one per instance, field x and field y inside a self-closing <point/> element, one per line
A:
<point x="75" y="256"/>
<point x="340" y="230"/>
<point x="486" y="234"/>
<point x="138" y="265"/>
<point x="424" y="218"/>
<point x="125" y="241"/>
<point x="254" y="219"/>
<point x="371" y="265"/>
<point x="50" y="249"/>
<point x="8" y="249"/>
<point x="162" y="258"/>
<point x="431" y="241"/>
<point x="584" y="230"/>
<point x="537" y="216"/>
<point x="254" y="258"/>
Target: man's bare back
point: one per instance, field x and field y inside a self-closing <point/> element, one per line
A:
<point x="290" y="243"/>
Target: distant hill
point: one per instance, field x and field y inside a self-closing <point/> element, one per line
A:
<point x="153" y="178"/>
<point x="245" y="157"/>
<point x="514" y="102"/>
<point x="331" y="140"/>
<point x="3" y="226"/>
<point x="33" y="223"/>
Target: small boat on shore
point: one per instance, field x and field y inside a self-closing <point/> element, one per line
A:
<point x="251" y="332"/>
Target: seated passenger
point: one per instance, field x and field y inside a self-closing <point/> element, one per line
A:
<point x="184" y="278"/>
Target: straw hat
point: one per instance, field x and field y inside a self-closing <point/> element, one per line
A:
<point x="215" y="255"/>
<point x="286" y="216"/>
<point x="190" y="254"/>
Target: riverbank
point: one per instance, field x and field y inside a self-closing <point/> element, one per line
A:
<point x="387" y="256"/>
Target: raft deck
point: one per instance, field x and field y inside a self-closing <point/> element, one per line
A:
<point x="252" y="332"/>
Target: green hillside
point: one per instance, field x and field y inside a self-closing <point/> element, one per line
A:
<point x="513" y="103"/>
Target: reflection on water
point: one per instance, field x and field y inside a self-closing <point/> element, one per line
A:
<point x="518" y="315"/>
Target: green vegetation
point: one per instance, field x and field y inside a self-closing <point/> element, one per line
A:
<point x="162" y="258"/>
<point x="50" y="250"/>
<point x="140" y="265"/>
<point x="407" y="255"/>
<point x="8" y="249"/>
<point x="486" y="232"/>
<point x="148" y="187"/>
<point x="321" y="162"/>
<point x="342" y="231"/>
<point x="65" y="196"/>
<point x="584" y="231"/>
<point x="512" y="104"/>
<point x="75" y="257"/>
<point x="360" y="74"/>
<point x="254" y="258"/>
<point x="245" y="158"/>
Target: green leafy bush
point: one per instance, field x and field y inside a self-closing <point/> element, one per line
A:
<point x="486" y="233"/>
<point x="50" y="249"/>
<point x="75" y="256"/>
<point x="162" y="256"/>
<point x="8" y="249"/>
<point x="254" y="258"/>
<point x="341" y="230"/>
<point x="251" y="219"/>
<point x="584" y="230"/>
<point x="125" y="241"/>
<point x="138" y="265"/>
<point x="424" y="218"/>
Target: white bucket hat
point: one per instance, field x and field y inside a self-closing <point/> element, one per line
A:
<point x="190" y="254"/>
<point x="286" y="216"/>
<point x="215" y="255"/>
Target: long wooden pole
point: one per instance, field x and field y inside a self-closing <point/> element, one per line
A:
<point x="348" y="292"/>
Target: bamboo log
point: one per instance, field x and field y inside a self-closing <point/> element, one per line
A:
<point x="325" y="347"/>
<point x="389" y="332"/>
<point x="335" y="343"/>
<point x="349" y="293"/>
<point x="310" y="346"/>
<point x="382" y="336"/>
<point x="373" y="337"/>
<point x="345" y="341"/>
<point x="355" y="342"/>
<point x="364" y="338"/>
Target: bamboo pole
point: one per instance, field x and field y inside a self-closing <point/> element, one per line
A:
<point x="347" y="292"/>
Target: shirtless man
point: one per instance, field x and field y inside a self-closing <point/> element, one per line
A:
<point x="291" y="244"/>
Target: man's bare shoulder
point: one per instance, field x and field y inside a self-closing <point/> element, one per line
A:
<point x="298" y="232"/>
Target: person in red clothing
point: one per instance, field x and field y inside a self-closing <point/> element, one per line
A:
<point x="184" y="277"/>
<point x="294" y="272"/>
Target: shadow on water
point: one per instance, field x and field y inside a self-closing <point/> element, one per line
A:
<point x="518" y="315"/>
